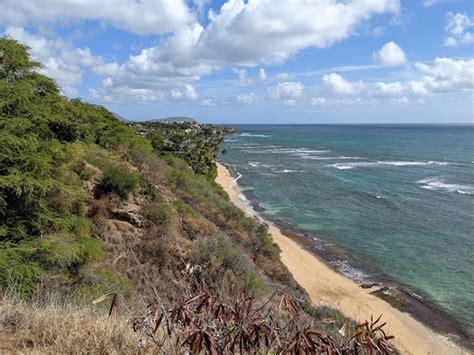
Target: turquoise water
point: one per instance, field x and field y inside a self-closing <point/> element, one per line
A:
<point x="398" y="199"/>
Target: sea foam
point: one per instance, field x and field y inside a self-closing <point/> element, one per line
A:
<point x="347" y="166"/>
<point x="438" y="184"/>
<point x="351" y="272"/>
<point x="245" y="134"/>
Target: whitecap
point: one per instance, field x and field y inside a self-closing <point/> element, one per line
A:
<point x="254" y="163"/>
<point x="346" y="166"/>
<point x="342" y="166"/>
<point x="351" y="272"/>
<point x="237" y="178"/>
<point x="289" y="171"/>
<point x="245" y="134"/>
<point x="438" y="184"/>
<point x="412" y="163"/>
<point x="330" y="158"/>
<point x="297" y="151"/>
<point x="247" y="203"/>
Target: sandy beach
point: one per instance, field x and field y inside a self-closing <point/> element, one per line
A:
<point x="328" y="287"/>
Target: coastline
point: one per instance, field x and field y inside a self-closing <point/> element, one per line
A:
<point x="326" y="286"/>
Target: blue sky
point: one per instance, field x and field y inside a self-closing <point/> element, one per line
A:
<point x="258" y="61"/>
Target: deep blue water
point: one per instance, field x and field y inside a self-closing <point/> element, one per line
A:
<point x="398" y="199"/>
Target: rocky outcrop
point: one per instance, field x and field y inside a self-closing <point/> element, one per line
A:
<point x="128" y="212"/>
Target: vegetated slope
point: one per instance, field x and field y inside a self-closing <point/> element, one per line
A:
<point x="92" y="205"/>
<point x="79" y="186"/>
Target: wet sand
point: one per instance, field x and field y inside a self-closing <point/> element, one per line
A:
<point x="328" y="287"/>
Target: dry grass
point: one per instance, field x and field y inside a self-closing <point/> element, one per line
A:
<point x="54" y="325"/>
<point x="197" y="322"/>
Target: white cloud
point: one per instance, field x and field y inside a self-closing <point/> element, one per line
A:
<point x="289" y="90"/>
<point x="401" y="100"/>
<point x="444" y="75"/>
<point x="289" y="102"/>
<point x="390" y="55"/>
<point x="321" y="101"/>
<point x="208" y="102"/>
<point x="336" y="84"/>
<point x="244" y="80"/>
<point x="122" y="94"/>
<point x="429" y="3"/>
<point x="457" y="28"/>
<point x="271" y="31"/>
<point x="246" y="34"/>
<point x="387" y="89"/>
<point x="241" y="33"/>
<point x="60" y="59"/>
<point x="318" y="101"/>
<point x="200" y="5"/>
<point x="187" y="92"/>
<point x="142" y="17"/>
<point x="284" y="76"/>
<point x="247" y="98"/>
<point x="160" y="68"/>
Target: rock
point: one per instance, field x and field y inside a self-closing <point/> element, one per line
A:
<point x="129" y="212"/>
<point x="370" y="285"/>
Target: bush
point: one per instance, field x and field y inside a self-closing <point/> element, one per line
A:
<point x="160" y="215"/>
<point x="183" y="208"/>
<point x="270" y="248"/>
<point x="81" y="169"/>
<point x="119" y="180"/>
<point x="64" y="131"/>
<point x="50" y="258"/>
<point x="149" y="189"/>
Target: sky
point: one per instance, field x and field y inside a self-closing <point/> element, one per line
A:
<point x="257" y="61"/>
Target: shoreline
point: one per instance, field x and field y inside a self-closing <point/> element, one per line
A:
<point x="398" y="295"/>
<point x="325" y="286"/>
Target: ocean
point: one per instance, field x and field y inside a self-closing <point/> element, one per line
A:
<point x="396" y="201"/>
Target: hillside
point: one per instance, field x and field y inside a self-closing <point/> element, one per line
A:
<point x="91" y="206"/>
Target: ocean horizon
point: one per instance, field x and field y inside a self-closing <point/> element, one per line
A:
<point x="395" y="200"/>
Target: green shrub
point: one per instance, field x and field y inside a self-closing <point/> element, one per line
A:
<point x="82" y="170"/>
<point x="228" y="255"/>
<point x="53" y="257"/>
<point x="160" y="215"/>
<point x="270" y="248"/>
<point x="148" y="188"/>
<point x="63" y="130"/>
<point x="183" y="208"/>
<point x="97" y="280"/>
<point x="254" y="284"/>
<point x="119" y="180"/>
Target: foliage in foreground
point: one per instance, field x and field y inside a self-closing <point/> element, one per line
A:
<point x="200" y="321"/>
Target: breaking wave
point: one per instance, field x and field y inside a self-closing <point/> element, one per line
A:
<point x="438" y="184"/>
<point x="244" y="134"/>
<point x="347" y="166"/>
